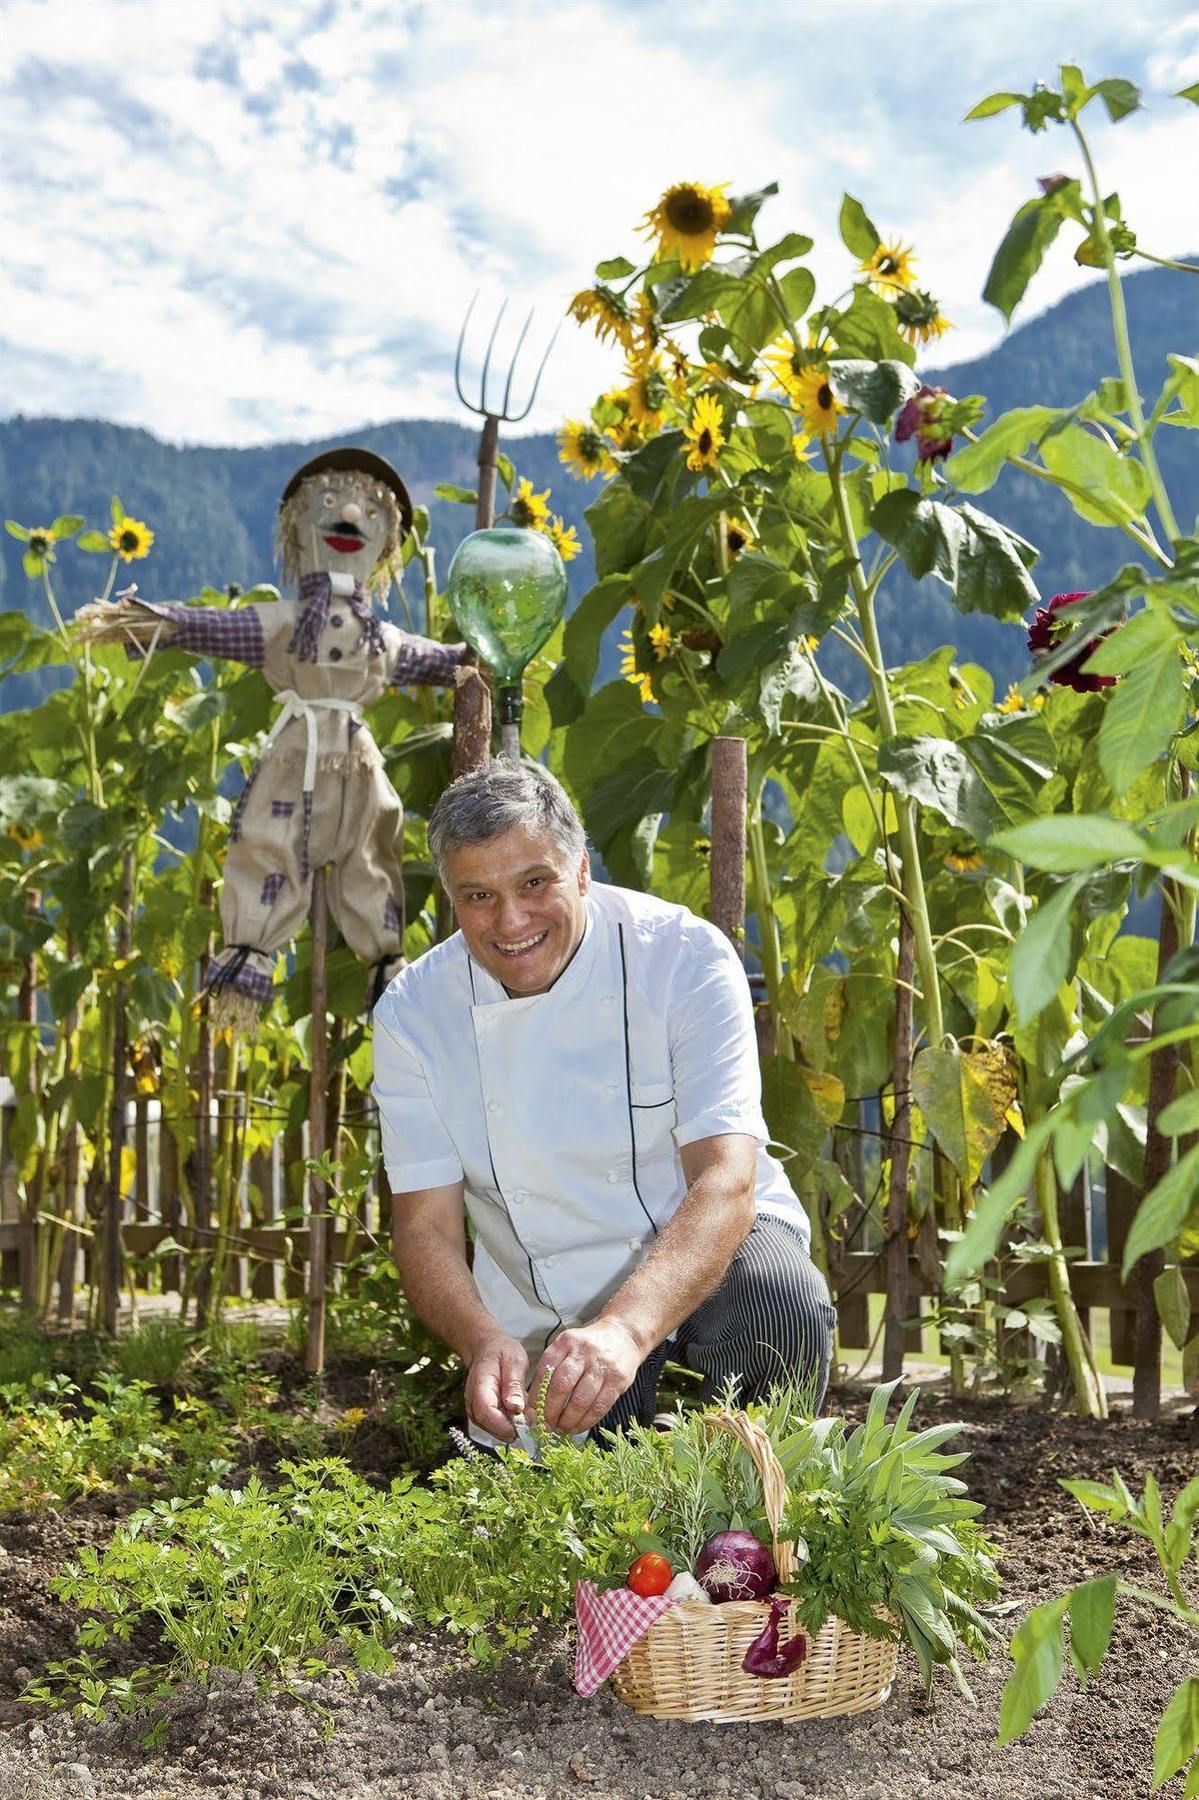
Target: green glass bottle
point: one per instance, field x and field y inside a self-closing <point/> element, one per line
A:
<point x="507" y="591"/>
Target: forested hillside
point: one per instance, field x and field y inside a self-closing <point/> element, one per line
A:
<point x="213" y="509"/>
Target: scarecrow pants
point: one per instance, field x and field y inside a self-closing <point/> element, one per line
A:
<point x="355" y="827"/>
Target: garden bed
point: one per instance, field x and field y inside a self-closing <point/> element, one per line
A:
<point x="439" y="1726"/>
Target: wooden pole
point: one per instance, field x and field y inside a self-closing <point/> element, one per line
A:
<point x="1163" y="1072"/>
<point x="318" y="1218"/>
<point x="726" y="866"/>
<point x="114" y="1199"/>
<point x="27" y="1217"/>
<point x="202" y="1183"/>
<point x="489" y="446"/>
<point x="898" y="1304"/>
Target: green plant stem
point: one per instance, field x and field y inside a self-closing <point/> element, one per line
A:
<point x="1143" y="539"/>
<point x="689" y="677"/>
<point x="1124" y="346"/>
<point x="905" y="808"/>
<point x="95" y="788"/>
<point x="768" y="928"/>
<point x="1089" y="1398"/>
<point x="1168" y="262"/>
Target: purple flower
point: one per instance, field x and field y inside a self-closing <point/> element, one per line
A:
<point x="1046" y="632"/>
<point x="921" y="418"/>
<point x="1049" y="184"/>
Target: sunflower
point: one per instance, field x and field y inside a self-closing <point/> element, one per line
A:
<point x="647" y="333"/>
<point x="529" y="509"/>
<point x="801" y="447"/>
<point x="609" y="312"/>
<point x="584" y="450"/>
<point x="963" y="861"/>
<point x="705" y="433"/>
<point x="739" y="535"/>
<point x="130" y="539"/>
<point x="890" y="270"/>
<point x="686" y="221"/>
<point x="564" y="538"/>
<point x="646" y="395"/>
<point x="661" y="637"/>
<point x="629" y="669"/>
<point x="920" y="318"/>
<point x="788" y="362"/>
<point x="1014" y="701"/>
<point x="814" y="400"/>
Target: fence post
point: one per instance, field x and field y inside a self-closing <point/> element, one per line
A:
<point x="318" y="1218"/>
<point x="27" y="1215"/>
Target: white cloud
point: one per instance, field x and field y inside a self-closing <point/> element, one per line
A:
<point x="234" y="223"/>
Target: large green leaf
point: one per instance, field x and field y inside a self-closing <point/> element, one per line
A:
<point x="1021" y="253"/>
<point x="793" y="1118"/>
<point x="938" y="773"/>
<point x="1040" y="960"/>
<point x="1104" y="487"/>
<point x="618" y="521"/>
<point x="1066" y="842"/>
<point x="858" y="231"/>
<point x="984" y="564"/>
<point x="568" y="687"/>
<point x="1039" y="1655"/>
<point x="1141" y="716"/>
<point x="1177" y="1739"/>
<point x="875" y="389"/>
<point x="1162" y="1214"/>
<point x="868" y="328"/>
<point x="1092" y="1615"/>
<point x="622" y="813"/>
<point x="613" y="726"/>
<point x="952" y="1092"/>
<point x="687" y="523"/>
<point x="976" y="467"/>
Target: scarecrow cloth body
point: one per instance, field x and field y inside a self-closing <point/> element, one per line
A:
<point x="319" y="793"/>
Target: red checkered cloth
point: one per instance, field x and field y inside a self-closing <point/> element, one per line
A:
<point x="610" y="1623"/>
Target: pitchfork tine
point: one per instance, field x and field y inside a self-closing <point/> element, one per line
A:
<point x="524" y="332"/>
<point x="515" y="418"/>
<point x="499" y="319"/>
<point x="458" y="353"/>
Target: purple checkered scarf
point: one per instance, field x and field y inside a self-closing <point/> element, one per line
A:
<point x="316" y="597"/>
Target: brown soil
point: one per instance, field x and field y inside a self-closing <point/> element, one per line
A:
<point x="439" y="1729"/>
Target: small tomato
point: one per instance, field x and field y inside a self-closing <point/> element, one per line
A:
<point x="650" y="1574"/>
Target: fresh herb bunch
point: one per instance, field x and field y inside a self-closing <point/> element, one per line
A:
<point x="887" y="1539"/>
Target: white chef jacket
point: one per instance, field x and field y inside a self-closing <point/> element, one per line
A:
<point x="563" y="1113"/>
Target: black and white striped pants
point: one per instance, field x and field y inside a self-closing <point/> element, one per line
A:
<point x="769" y="1321"/>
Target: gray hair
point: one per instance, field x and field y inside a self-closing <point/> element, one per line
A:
<point x="502" y="796"/>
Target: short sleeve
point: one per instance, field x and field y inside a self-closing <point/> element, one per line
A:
<point x="713" y="1045"/>
<point x="418" y="1151"/>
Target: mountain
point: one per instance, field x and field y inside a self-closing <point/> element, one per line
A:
<point x="213" y="509"/>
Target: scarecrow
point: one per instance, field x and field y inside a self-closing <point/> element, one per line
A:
<point x="319" y="793"/>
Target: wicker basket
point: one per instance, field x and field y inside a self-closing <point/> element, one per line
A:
<point x="688" y="1664"/>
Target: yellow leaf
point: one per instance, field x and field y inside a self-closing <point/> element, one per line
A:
<point x="827" y="1091"/>
<point x="1015" y="1119"/>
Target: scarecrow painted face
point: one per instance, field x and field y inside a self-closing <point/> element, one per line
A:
<point x="341" y="521"/>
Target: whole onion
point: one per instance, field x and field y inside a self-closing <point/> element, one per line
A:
<point x="735" y="1565"/>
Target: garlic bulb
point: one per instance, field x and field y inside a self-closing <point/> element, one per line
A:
<point x="686" y="1587"/>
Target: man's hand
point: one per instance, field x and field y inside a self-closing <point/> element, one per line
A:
<point x="495" y="1386"/>
<point x="590" y="1367"/>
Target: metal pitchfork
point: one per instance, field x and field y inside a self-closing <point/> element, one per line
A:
<point x="489" y="440"/>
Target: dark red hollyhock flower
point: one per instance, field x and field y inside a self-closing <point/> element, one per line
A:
<point x="1044" y="634"/>
<point x="920" y="418"/>
<point x="1049" y="184"/>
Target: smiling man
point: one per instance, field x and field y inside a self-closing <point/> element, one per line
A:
<point x="576" y="1069"/>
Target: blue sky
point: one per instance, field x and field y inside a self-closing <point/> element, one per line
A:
<point x="233" y="221"/>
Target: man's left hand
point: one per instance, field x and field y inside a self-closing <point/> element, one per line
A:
<point x="589" y="1367"/>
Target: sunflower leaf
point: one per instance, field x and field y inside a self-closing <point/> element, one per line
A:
<point x="1021" y="253"/>
<point x="981" y="561"/>
<point x="744" y="209"/>
<point x="66" y="525"/>
<point x="858" y="231"/>
<point x="614" y="269"/>
<point x="18" y="531"/>
<point x="875" y="389"/>
<point x="118" y="511"/>
<point x="94" y="541"/>
<point x="994" y="103"/>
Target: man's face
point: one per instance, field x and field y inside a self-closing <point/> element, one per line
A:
<point x="519" y="904"/>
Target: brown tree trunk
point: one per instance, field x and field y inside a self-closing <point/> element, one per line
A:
<point x="1163" y="1068"/>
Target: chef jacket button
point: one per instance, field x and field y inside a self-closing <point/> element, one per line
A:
<point x="611" y="1088"/>
<point x="634" y="1243"/>
<point x="336" y="619"/>
<point x="494" y="1106"/>
<point x="550" y="1262"/>
<point x="335" y="654"/>
<point x="613" y="1176"/>
<point x="518" y="1196"/>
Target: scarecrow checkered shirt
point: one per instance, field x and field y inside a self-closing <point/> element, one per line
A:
<point x="609" y="1625"/>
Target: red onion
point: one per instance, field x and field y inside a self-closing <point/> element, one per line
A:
<point x="735" y="1565"/>
<point x="764" y="1656"/>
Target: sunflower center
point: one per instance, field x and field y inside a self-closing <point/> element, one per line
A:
<point x="38" y="542"/>
<point x="889" y="265"/>
<point x="824" y="397"/>
<point x="690" y="212"/>
<point x="736" y="542"/>
<point x="705" y="441"/>
<point x="129" y="540"/>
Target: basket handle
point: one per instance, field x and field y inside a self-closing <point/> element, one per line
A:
<point x="758" y="1447"/>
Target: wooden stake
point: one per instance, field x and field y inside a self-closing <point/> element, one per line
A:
<point x="318" y="1218"/>
<point x="726" y="868"/>
<point x="898" y="1304"/>
<point x="27" y="1217"/>
<point x="489" y="445"/>
<point x="1163" y="1071"/>
<point x="114" y="1200"/>
<point x="202" y="1185"/>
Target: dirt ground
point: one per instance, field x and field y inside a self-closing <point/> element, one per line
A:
<point x="439" y="1729"/>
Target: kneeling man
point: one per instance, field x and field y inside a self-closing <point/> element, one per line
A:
<point x="576" y="1068"/>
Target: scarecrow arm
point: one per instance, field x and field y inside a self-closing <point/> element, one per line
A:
<point x="236" y="634"/>
<point x="423" y="662"/>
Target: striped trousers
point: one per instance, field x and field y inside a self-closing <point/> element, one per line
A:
<point x="769" y="1321"/>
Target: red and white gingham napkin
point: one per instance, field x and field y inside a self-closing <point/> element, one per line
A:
<point x="610" y="1623"/>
